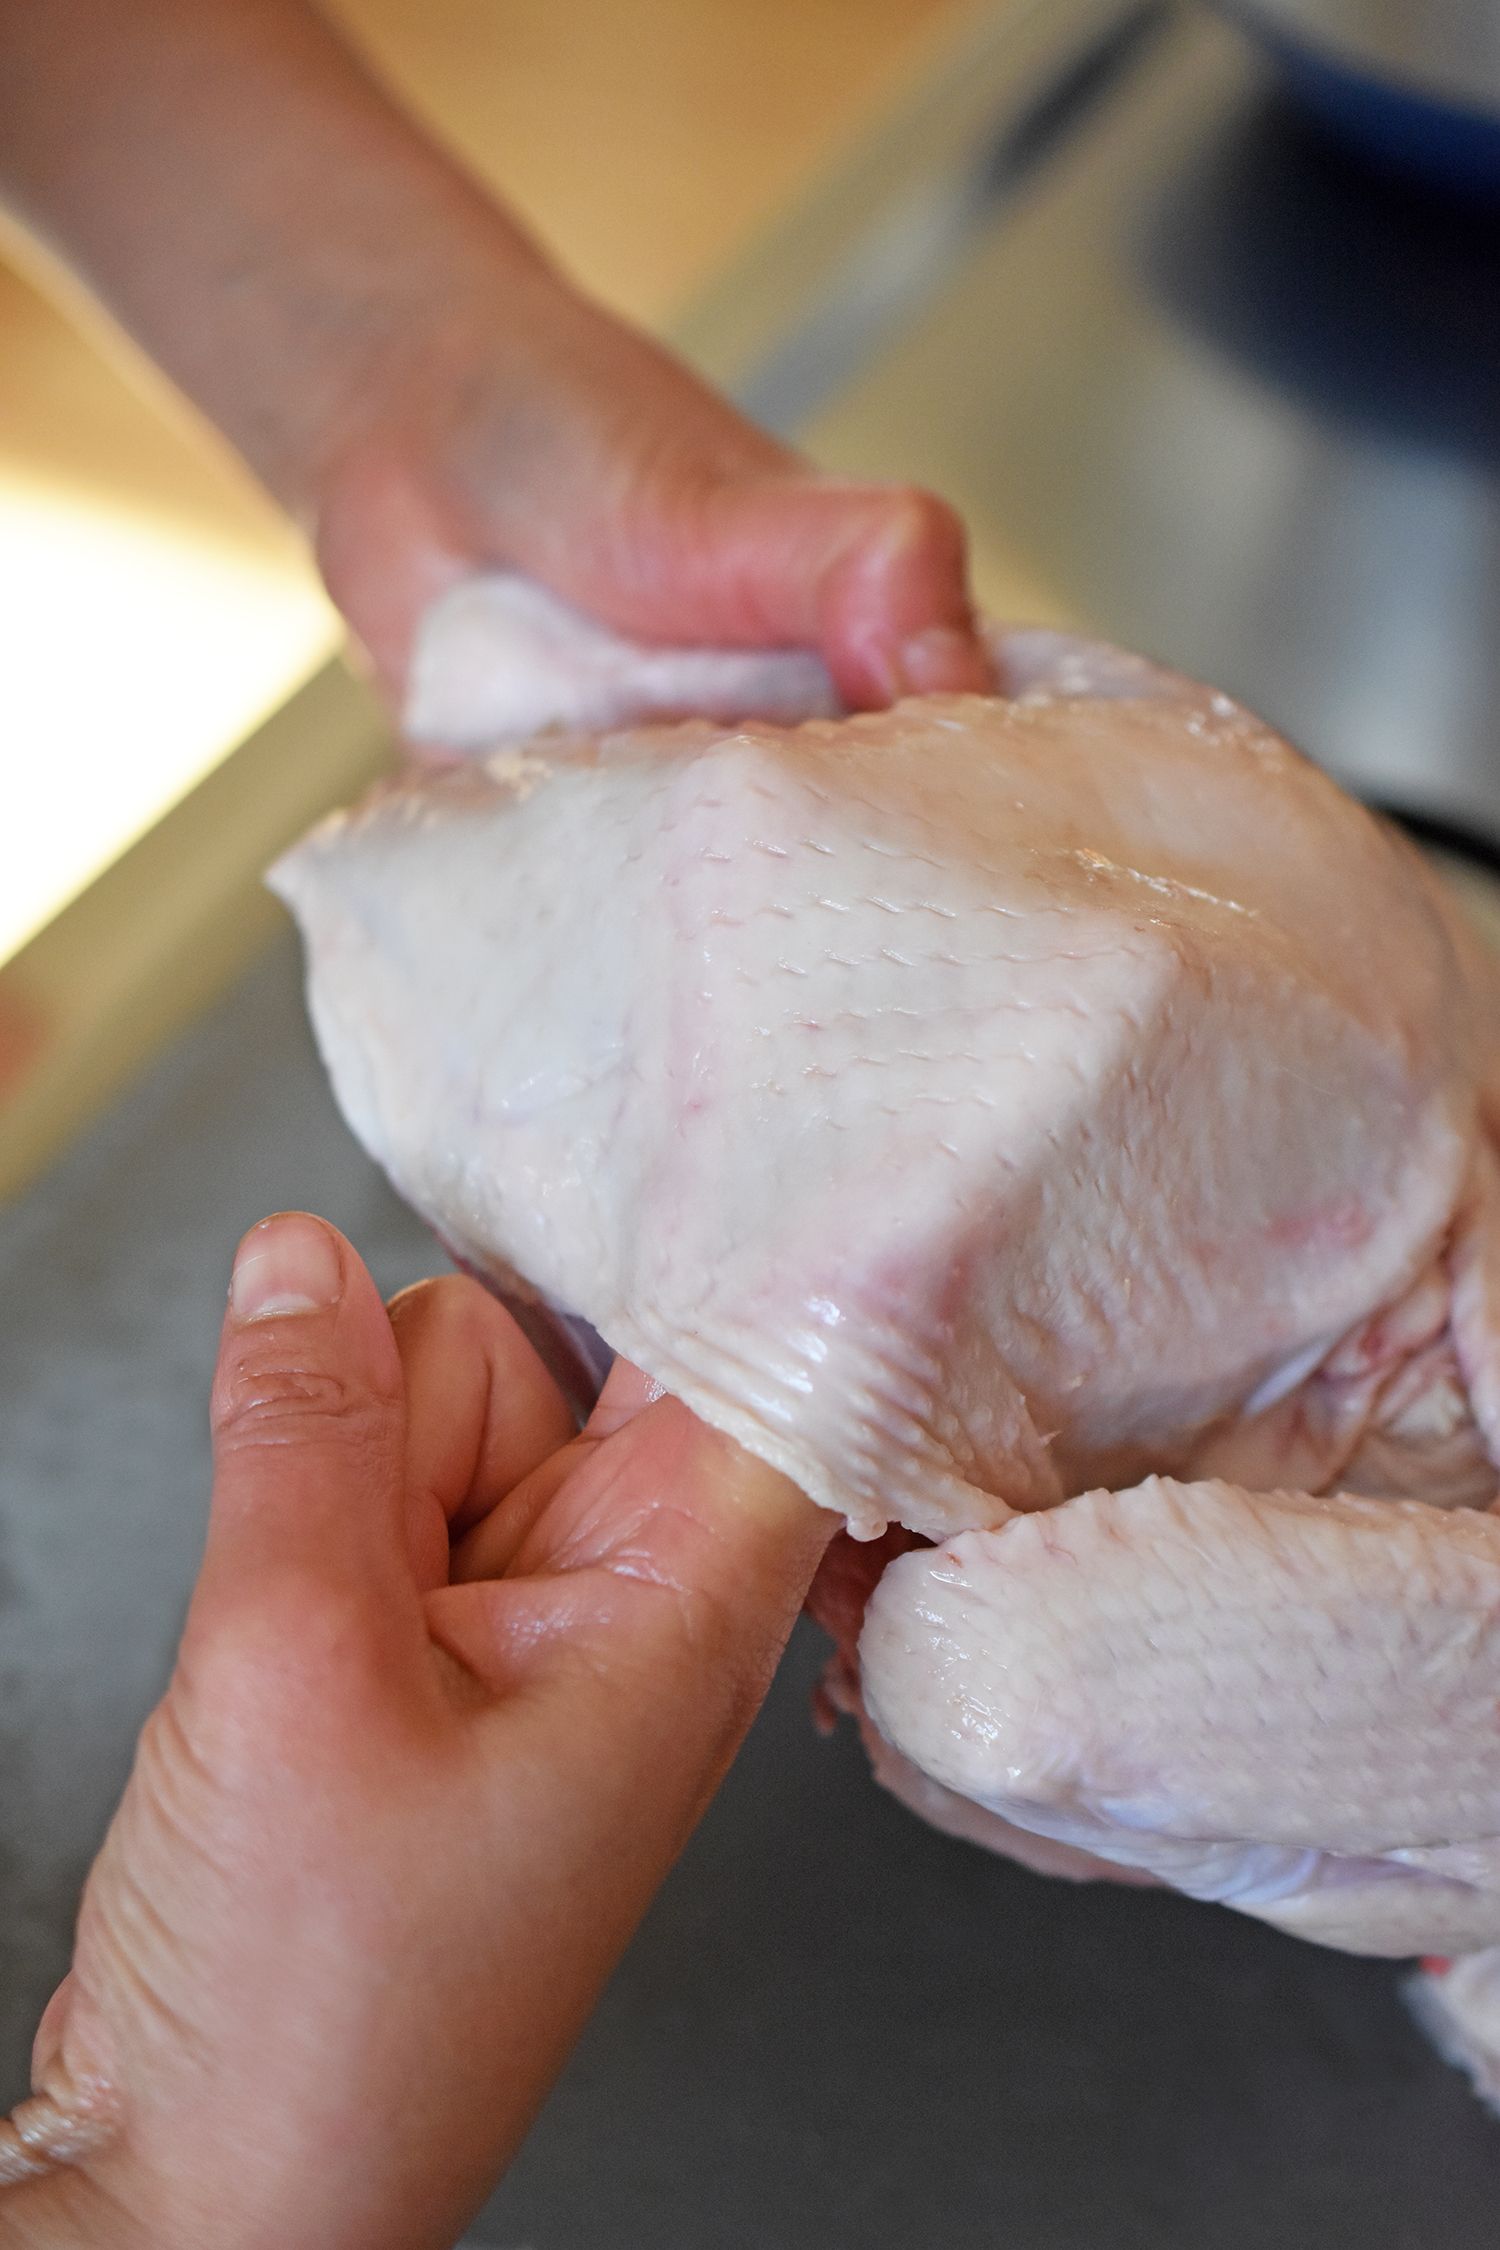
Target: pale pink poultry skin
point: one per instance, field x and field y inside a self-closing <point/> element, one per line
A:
<point x="1068" y="1102"/>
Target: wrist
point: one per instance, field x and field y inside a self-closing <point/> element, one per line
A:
<point x="379" y="345"/>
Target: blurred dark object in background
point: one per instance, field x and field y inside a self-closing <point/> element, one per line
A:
<point x="1414" y="84"/>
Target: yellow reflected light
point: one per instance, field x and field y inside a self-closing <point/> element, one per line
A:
<point x="137" y="651"/>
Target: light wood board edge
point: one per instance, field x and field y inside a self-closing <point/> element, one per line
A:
<point x="148" y="945"/>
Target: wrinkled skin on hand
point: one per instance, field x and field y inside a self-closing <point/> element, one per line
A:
<point x="455" y="1686"/>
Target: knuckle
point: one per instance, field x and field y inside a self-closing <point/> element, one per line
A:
<point x="701" y="1641"/>
<point x="446" y="1301"/>
<point x="926" y="525"/>
<point x="270" y="1400"/>
<point x="299" y="1651"/>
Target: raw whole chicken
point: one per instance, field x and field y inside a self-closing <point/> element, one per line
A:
<point x="1059" y="1125"/>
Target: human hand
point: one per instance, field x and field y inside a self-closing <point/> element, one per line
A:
<point x="403" y="367"/>
<point x="542" y="436"/>
<point x="454" y="1687"/>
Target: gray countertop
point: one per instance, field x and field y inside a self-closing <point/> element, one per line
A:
<point x="838" y="2030"/>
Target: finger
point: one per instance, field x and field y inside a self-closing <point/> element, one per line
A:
<point x="875" y="577"/>
<point x="481" y="1410"/>
<point x="627" y="1392"/>
<point x="493" y="1545"/>
<point x="503" y="1540"/>
<point x="619" y="1680"/>
<point x="308" y="1429"/>
<point x="704" y="530"/>
<point x="47" y="2044"/>
<point x="623" y="1661"/>
<point x="661" y="1558"/>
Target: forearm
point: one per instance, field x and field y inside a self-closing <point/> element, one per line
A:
<point x="250" y="205"/>
<point x="403" y="368"/>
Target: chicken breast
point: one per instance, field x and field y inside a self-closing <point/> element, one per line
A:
<point x="1061" y="1124"/>
<point x="960" y="1105"/>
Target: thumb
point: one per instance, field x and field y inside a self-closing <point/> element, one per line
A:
<point x="668" y="1555"/>
<point x="308" y="1428"/>
<point x="873" y="576"/>
<point x="650" y="1576"/>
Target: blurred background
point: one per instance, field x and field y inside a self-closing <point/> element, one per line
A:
<point x="1195" y="313"/>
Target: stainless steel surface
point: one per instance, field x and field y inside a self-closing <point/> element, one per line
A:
<point x="1210" y="388"/>
<point x="1447" y="48"/>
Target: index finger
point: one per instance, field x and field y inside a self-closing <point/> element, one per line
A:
<point x="647" y="1542"/>
<point x="481" y="1410"/>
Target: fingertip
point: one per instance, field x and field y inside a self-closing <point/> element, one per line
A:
<point x="483" y="1411"/>
<point x="300" y="1295"/>
<point x="897" y="618"/>
<point x="771" y="1507"/>
<point x="290" y="1263"/>
<point x="784" y="556"/>
<point x="627" y="1391"/>
<point x="945" y="660"/>
<point x="307" y="1414"/>
<point x="46" y="2046"/>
